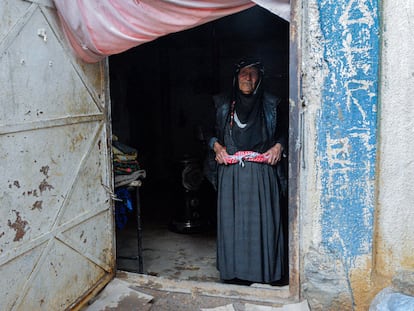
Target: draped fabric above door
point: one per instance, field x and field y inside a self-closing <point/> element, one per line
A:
<point x="99" y="28"/>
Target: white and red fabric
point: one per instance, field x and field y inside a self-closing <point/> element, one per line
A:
<point x="99" y="28"/>
<point x="242" y="156"/>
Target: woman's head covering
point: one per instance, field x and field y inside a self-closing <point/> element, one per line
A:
<point x="244" y="63"/>
<point x="249" y="62"/>
<point x="247" y="109"/>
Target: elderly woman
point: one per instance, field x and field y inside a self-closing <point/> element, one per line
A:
<point x="248" y="146"/>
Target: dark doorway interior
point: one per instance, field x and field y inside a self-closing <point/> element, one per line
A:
<point x="160" y="93"/>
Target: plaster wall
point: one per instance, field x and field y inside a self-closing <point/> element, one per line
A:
<point x="394" y="243"/>
<point x="340" y="66"/>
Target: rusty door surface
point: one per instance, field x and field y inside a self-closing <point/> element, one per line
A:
<point x="56" y="223"/>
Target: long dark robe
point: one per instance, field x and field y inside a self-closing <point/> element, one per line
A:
<point x="250" y="236"/>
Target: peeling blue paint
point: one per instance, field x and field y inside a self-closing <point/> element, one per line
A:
<point x="347" y="125"/>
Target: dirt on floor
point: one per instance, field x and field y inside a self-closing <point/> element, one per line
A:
<point x="129" y="292"/>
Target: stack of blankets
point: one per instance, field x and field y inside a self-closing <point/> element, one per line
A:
<point x="125" y="159"/>
<point x="126" y="165"/>
<point x="128" y="173"/>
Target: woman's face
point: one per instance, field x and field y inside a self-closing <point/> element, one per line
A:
<point x="248" y="78"/>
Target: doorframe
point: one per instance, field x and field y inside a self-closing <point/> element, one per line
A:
<point x="275" y="294"/>
<point x="295" y="146"/>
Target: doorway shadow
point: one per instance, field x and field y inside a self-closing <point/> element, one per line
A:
<point x="160" y="92"/>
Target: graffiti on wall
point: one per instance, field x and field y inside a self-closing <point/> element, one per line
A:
<point x="347" y="125"/>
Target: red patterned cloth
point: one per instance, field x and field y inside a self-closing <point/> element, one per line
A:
<point x="242" y="156"/>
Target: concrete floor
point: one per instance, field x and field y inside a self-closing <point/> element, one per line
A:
<point x="169" y="254"/>
<point x="179" y="273"/>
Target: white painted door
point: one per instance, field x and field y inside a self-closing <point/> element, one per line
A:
<point x="56" y="222"/>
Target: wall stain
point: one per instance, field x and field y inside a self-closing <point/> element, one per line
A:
<point x="44" y="185"/>
<point x="33" y="192"/>
<point x="364" y="283"/>
<point x="16" y="183"/>
<point x="45" y="170"/>
<point x="78" y="138"/>
<point x="37" y="205"/>
<point x="54" y="268"/>
<point x="407" y="260"/>
<point x="19" y="226"/>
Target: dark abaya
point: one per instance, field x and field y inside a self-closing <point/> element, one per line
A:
<point x="250" y="237"/>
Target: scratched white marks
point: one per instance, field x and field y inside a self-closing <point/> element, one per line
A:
<point x="339" y="163"/>
<point x="357" y="20"/>
<point x="41" y="32"/>
<point x="353" y="86"/>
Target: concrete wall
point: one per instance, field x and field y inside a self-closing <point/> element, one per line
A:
<point x="357" y="152"/>
<point x="394" y="243"/>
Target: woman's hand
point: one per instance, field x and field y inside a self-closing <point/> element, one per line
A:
<point x="221" y="153"/>
<point x="274" y="154"/>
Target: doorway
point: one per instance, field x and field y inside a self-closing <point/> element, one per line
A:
<point x="160" y="93"/>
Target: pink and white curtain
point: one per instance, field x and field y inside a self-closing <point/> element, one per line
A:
<point x="99" y="28"/>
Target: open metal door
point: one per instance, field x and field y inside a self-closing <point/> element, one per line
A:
<point x="56" y="220"/>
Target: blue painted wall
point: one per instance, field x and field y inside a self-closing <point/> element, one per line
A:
<point x="347" y="125"/>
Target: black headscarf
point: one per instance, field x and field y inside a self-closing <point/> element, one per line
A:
<point x="244" y="103"/>
<point x="248" y="109"/>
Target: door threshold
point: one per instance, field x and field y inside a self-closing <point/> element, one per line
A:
<point x="254" y="292"/>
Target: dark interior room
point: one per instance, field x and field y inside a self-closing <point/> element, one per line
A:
<point x="161" y="93"/>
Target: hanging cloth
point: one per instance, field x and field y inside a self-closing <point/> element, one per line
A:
<point x="99" y="28"/>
